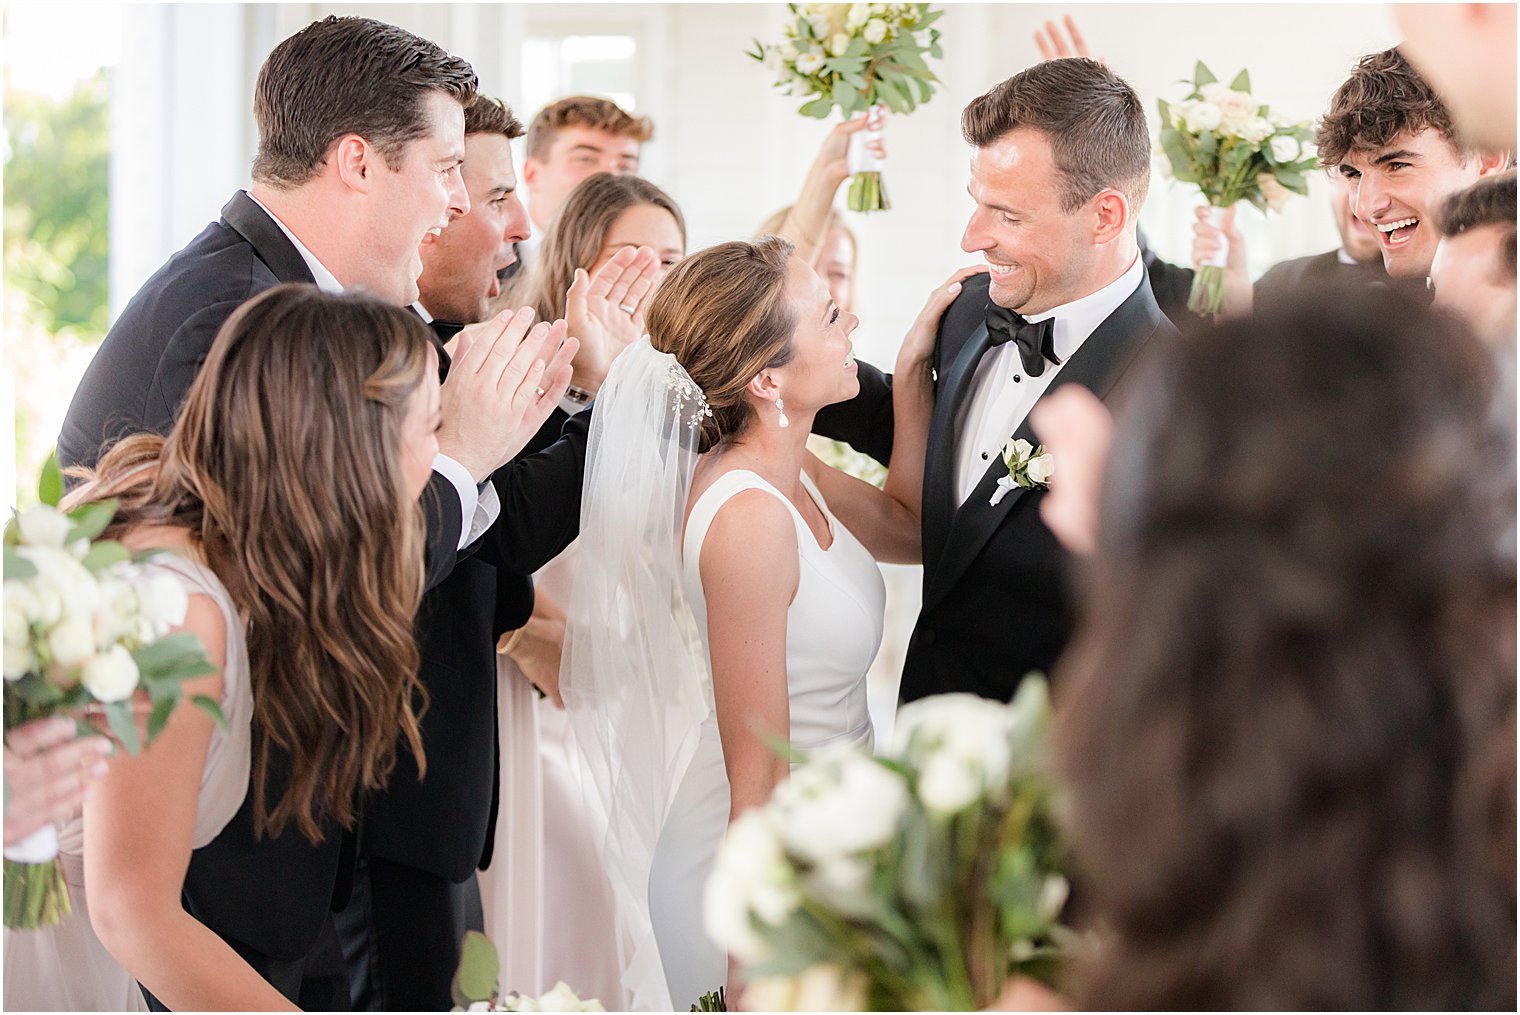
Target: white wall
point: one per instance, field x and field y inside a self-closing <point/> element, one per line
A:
<point x="728" y="147"/>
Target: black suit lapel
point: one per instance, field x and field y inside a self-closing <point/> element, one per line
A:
<point x="252" y="223"/>
<point x="1097" y="366"/>
<point x="939" y="455"/>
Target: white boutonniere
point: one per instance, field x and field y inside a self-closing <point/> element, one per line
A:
<point x="1028" y="466"/>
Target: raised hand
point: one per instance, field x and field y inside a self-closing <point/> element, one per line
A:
<point x="832" y="163"/>
<point x="1077" y="429"/>
<point x="1207" y="240"/>
<point x="918" y="345"/>
<point x="507" y="378"/>
<point x="48" y="769"/>
<point x="605" y="311"/>
<point x="1053" y="45"/>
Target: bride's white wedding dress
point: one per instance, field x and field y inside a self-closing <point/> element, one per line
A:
<point x="635" y="674"/>
<point x="833" y="630"/>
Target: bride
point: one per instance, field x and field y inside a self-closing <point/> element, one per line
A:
<point x="722" y="611"/>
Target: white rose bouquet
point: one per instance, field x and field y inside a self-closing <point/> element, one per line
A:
<point x="477" y="984"/>
<point x="84" y="625"/>
<point x="918" y="880"/>
<point x="1235" y="149"/>
<point x="856" y="56"/>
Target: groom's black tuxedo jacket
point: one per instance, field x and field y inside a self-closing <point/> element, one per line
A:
<point x="995" y="579"/>
<point x="273" y="895"/>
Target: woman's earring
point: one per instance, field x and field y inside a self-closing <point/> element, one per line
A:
<point x="781" y="410"/>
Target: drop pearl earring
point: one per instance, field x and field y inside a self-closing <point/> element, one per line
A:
<point x="781" y="410"/>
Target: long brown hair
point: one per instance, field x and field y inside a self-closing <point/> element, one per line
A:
<point x="723" y="314"/>
<point x="285" y="469"/>
<point x="577" y="236"/>
<point x="1287" y="724"/>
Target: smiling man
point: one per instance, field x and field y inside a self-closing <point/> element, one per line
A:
<point x="1060" y="164"/>
<point x="1393" y="140"/>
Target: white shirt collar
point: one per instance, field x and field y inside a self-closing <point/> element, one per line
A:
<point x="422" y="312"/>
<point x="325" y="279"/>
<point x="1344" y="257"/>
<point x="1076" y="320"/>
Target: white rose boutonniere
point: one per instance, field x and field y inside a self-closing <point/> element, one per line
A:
<point x="1028" y="466"/>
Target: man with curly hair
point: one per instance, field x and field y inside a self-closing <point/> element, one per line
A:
<point x="1394" y="141"/>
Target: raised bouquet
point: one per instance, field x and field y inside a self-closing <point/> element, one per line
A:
<point x="919" y="880"/>
<point x="84" y="626"/>
<point x="477" y="984"/>
<point x="855" y="57"/>
<point x="1235" y="149"/>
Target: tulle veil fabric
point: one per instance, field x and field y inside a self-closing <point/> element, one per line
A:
<point x="634" y="674"/>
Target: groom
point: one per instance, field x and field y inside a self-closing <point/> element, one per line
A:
<point x="1060" y="164"/>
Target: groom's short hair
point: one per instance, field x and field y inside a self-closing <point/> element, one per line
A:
<point x="1383" y="98"/>
<point x="1092" y="118"/>
<point x="341" y="76"/>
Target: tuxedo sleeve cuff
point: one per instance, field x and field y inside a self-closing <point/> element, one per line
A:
<point x="470" y="500"/>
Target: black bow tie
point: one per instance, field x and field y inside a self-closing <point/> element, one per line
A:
<point x="1036" y="342"/>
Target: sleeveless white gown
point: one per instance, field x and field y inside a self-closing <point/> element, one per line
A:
<point x="833" y="631"/>
<point x="65" y="967"/>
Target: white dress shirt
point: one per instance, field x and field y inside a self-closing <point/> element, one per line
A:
<point x="1002" y="393"/>
<point x="479" y="505"/>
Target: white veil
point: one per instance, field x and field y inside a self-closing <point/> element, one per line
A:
<point x="634" y="673"/>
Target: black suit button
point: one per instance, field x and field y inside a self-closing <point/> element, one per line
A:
<point x="984" y="456"/>
<point x="1017" y="378"/>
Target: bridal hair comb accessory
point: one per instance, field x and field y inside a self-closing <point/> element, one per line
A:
<point x="683" y="390"/>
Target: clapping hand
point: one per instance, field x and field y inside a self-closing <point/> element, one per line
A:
<point x="507" y="376"/>
<point x="605" y="311"/>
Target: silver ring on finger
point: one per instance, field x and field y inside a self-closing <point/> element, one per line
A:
<point x="540" y="392"/>
<point x="627" y="308"/>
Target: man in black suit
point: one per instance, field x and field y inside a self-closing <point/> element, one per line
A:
<point x="361" y="136"/>
<point x="1059" y="169"/>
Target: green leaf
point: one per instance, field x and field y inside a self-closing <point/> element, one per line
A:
<point x="50" y="481"/>
<point x="162" y="709"/>
<point x="928" y="19"/>
<point x="104" y="554"/>
<point x="91" y="519"/>
<point x="479" y="974"/>
<point x="1202" y="75"/>
<point x="124" y="724"/>
<point x="1242" y="82"/>
<point x="176" y="657"/>
<point x="213" y="709"/>
<point x="35" y="691"/>
<point x="17" y="566"/>
<point x="1292" y="181"/>
<point x="818" y="108"/>
<point x="894" y="99"/>
<point x="1177" y="154"/>
<point x="1165" y="109"/>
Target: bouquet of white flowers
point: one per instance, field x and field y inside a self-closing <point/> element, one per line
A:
<point x="856" y="56"/>
<point x="477" y="984"/>
<point x="1235" y="149"/>
<point x="83" y="625"/>
<point x="918" y="880"/>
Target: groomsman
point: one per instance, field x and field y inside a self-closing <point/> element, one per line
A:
<point x="1391" y="137"/>
<point x="360" y="142"/>
<point x="571" y="139"/>
<point x="1474" y="268"/>
<point x="1059" y="169"/>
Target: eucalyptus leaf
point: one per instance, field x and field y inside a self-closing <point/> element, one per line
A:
<point x="17" y="566"/>
<point x="171" y="651"/>
<point x="888" y="93"/>
<point x="1202" y="75"/>
<point x="479" y="974"/>
<point x="1242" y="82"/>
<point x="105" y="554"/>
<point x="817" y="108"/>
<point x="159" y="716"/>
<point x="33" y="689"/>
<point x="1177" y="154"/>
<point x="50" y="481"/>
<point x="211" y="708"/>
<point x="91" y="520"/>
<point x="124" y="724"/>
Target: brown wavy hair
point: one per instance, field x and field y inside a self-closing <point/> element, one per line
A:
<point x="1287" y="722"/>
<point x="583" y="111"/>
<point x="723" y="314"/>
<point x="284" y="468"/>
<point x="1383" y="98"/>
<point x="577" y="236"/>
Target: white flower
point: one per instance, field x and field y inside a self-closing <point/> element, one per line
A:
<point x="1213" y="92"/>
<point x="110" y="676"/>
<point x="880" y="8"/>
<point x="1201" y="117"/>
<point x="1041" y="468"/>
<point x="1016" y="450"/>
<point x="44" y="526"/>
<point x="479" y="1006"/>
<point x="18" y="660"/>
<point x="562" y="998"/>
<point x="163" y="599"/>
<point x="788" y="52"/>
<point x="948" y="784"/>
<point x="857" y="16"/>
<point x="839" y="803"/>
<point x="71" y="641"/>
<point x="117" y="614"/>
<point x="838" y="44"/>
<point x="961" y="745"/>
<point x="1236" y="106"/>
<point x="771" y="993"/>
<point x="62" y="585"/>
<point x="1285" y="148"/>
<point x="19" y="603"/>
<point x="810" y="62"/>
<point x="844" y="883"/>
<point x="876" y="30"/>
<point x="819" y="23"/>
<point x="827" y="987"/>
<point x="750" y="875"/>
<point x="1255" y="130"/>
